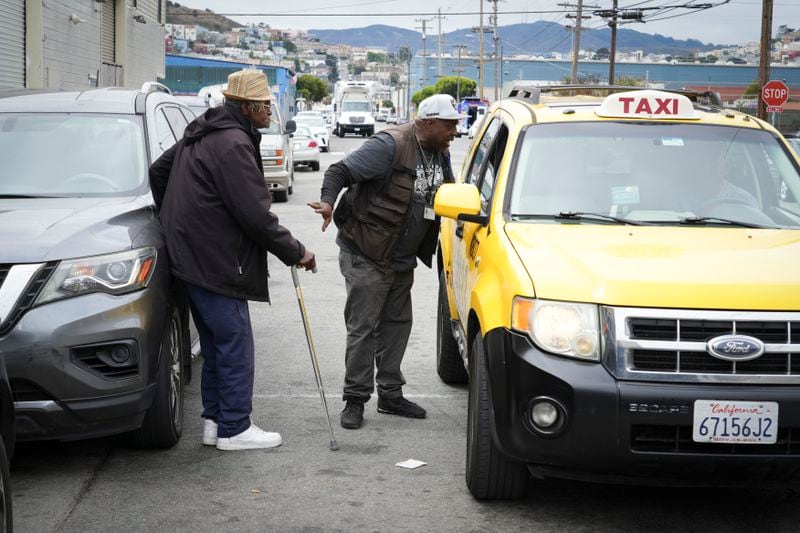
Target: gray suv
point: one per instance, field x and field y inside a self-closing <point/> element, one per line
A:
<point x="277" y="156"/>
<point x="93" y="329"/>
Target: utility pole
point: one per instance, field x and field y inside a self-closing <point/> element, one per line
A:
<point x="495" y="38"/>
<point x="612" y="55"/>
<point x="441" y="45"/>
<point x="576" y="36"/>
<point x="458" y="70"/>
<point x="424" y="52"/>
<point x="765" y="56"/>
<point x="480" y="54"/>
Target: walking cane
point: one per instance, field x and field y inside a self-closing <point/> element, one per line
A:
<point x="313" y="352"/>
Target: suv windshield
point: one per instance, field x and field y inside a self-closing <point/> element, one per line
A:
<point x="58" y="154"/>
<point x="365" y="107"/>
<point x="663" y="173"/>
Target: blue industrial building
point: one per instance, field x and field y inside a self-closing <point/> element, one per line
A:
<point x="187" y="75"/>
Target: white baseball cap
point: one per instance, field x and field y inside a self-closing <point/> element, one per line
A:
<point x="441" y="106"/>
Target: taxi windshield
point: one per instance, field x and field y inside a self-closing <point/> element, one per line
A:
<point x="656" y="172"/>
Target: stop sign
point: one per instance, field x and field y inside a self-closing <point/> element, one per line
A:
<point x="775" y="93"/>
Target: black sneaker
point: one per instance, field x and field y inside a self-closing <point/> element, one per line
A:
<point x="352" y="414"/>
<point x="400" y="406"/>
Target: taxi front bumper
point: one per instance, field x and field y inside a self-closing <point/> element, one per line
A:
<point x="625" y="430"/>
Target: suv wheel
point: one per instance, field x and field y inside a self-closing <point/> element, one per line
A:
<point x="449" y="364"/>
<point x="281" y="196"/>
<point x="163" y="422"/>
<point x="490" y="475"/>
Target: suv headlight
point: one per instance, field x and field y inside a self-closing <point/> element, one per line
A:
<point x="115" y="273"/>
<point x="563" y="328"/>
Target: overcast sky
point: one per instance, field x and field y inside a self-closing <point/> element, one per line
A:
<point x="739" y="21"/>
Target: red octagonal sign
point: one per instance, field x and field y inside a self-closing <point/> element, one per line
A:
<point x="775" y="93"/>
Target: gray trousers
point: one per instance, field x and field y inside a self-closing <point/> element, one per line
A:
<point x="378" y="320"/>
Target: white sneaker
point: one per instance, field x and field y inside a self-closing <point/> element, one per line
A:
<point x="209" y="432"/>
<point x="250" y="439"/>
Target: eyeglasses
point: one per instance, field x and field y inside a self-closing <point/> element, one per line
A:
<point x="258" y="107"/>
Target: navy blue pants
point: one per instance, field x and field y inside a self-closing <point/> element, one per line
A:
<point x="226" y="339"/>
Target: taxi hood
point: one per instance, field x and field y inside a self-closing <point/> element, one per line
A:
<point x="707" y="268"/>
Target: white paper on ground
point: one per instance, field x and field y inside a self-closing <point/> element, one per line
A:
<point x="410" y="463"/>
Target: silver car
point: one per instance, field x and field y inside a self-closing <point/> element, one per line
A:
<point x="305" y="148"/>
<point x="277" y="157"/>
<point x="319" y="129"/>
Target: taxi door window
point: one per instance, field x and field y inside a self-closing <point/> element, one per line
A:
<point x="493" y="159"/>
<point x="480" y="154"/>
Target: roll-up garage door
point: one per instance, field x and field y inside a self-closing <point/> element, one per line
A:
<point x="12" y="44"/>
<point x="109" y="26"/>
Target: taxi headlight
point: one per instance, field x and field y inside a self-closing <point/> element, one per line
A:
<point x="116" y="273"/>
<point x="563" y="328"/>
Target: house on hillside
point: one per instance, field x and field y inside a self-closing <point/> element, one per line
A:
<point x="72" y="44"/>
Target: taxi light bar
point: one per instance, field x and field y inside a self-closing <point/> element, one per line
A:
<point x="532" y="93"/>
<point x="647" y="104"/>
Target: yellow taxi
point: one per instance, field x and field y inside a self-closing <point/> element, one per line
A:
<point x="620" y="284"/>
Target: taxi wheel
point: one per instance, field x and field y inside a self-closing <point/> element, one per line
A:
<point x="163" y="422"/>
<point x="449" y="364"/>
<point x="490" y="475"/>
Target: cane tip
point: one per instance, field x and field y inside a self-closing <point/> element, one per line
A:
<point x="334" y="446"/>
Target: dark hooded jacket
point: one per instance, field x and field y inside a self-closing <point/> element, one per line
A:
<point x="214" y="207"/>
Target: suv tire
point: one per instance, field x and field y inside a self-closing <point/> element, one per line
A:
<point x="6" y="510"/>
<point x="449" y="364"/>
<point x="490" y="475"/>
<point x="281" y="196"/>
<point x="163" y="421"/>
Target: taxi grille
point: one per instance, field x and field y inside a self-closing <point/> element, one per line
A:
<point x="670" y="345"/>
<point x="678" y="439"/>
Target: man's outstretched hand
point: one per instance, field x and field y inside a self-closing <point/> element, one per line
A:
<point x="308" y="262"/>
<point x="325" y="209"/>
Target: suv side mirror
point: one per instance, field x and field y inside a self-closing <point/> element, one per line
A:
<point x="290" y="127"/>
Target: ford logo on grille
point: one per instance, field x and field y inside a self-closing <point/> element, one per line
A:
<point x="735" y="347"/>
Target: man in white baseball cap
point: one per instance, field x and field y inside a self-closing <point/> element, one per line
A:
<point x="397" y="172"/>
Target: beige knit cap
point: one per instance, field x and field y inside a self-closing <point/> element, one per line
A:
<point x="248" y="84"/>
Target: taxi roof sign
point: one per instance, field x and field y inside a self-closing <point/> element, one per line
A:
<point x="647" y="104"/>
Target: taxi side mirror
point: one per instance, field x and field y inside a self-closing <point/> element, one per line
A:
<point x="460" y="201"/>
<point x="291" y="127"/>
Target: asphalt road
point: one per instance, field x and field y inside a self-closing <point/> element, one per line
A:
<point x="104" y="485"/>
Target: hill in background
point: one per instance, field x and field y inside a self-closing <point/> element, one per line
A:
<point x="536" y="38"/>
<point x="178" y="14"/>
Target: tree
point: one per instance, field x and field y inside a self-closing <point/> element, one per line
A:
<point x="603" y="53"/>
<point x="333" y="71"/>
<point x="754" y="89"/>
<point x="388" y="103"/>
<point x="422" y="94"/>
<point x="358" y="69"/>
<point x="394" y="78"/>
<point x="455" y="88"/>
<point x="291" y="48"/>
<point x="312" y="88"/>
<point x="374" y="57"/>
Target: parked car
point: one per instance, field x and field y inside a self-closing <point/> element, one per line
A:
<point x="617" y="284"/>
<point x="277" y="157"/>
<point x="305" y="148"/>
<point x="93" y="330"/>
<point x="318" y="128"/>
<point x="391" y="119"/>
<point x="197" y="104"/>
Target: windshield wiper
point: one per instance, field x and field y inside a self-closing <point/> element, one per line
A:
<point x="577" y="215"/>
<point x="699" y="221"/>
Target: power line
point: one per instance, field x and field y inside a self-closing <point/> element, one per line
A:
<point x="431" y="14"/>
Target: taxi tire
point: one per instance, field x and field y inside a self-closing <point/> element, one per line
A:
<point x="449" y="364"/>
<point x="163" y="421"/>
<point x="490" y="475"/>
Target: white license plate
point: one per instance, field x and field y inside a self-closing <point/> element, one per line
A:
<point x="736" y="422"/>
<point x="357" y="129"/>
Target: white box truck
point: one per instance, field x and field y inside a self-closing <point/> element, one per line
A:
<point x="353" y="111"/>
